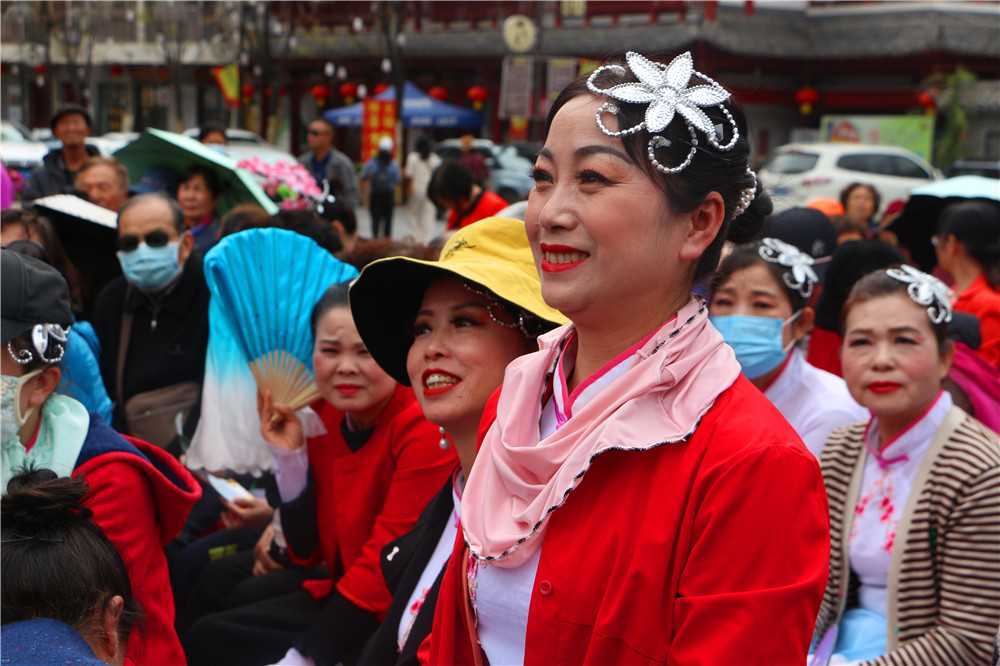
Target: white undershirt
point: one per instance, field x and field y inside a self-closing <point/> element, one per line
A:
<point x="885" y="488"/>
<point x="813" y="401"/>
<point x="439" y="558"/>
<point x="502" y="595"/>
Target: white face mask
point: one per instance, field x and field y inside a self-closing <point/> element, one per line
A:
<point x="11" y="418"/>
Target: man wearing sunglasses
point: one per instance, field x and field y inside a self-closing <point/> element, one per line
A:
<point x="162" y="295"/>
<point x="327" y="163"/>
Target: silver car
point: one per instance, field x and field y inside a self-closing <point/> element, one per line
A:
<point x="17" y="150"/>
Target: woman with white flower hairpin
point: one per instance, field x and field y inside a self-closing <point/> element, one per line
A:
<point x="636" y="499"/>
<point x="759" y="302"/>
<point x="914" y="493"/>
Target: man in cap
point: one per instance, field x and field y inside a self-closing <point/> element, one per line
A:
<point x="380" y="176"/>
<point x="55" y="175"/>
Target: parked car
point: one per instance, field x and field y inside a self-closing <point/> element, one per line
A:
<point x="18" y="150"/>
<point x="510" y="173"/>
<point x="975" y="167"/>
<point x="801" y="172"/>
<point x="243" y="144"/>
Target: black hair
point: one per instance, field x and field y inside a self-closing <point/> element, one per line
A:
<point x="976" y="225"/>
<point x="711" y="170"/>
<point x="423" y="147"/>
<point x="177" y="215"/>
<point x="323" y="120"/>
<point x="70" y="110"/>
<point x="747" y="255"/>
<point x="337" y="296"/>
<point x="333" y="210"/>
<point x="211" y="180"/>
<point x="309" y="224"/>
<point x="850" y="262"/>
<point x="211" y="129"/>
<point x="878" y="284"/>
<point x="845" y="194"/>
<point x="57" y="563"/>
<point x="55" y="254"/>
<point x="450" y="182"/>
<point x="241" y="218"/>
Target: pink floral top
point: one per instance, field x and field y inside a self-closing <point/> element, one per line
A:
<point x="885" y="488"/>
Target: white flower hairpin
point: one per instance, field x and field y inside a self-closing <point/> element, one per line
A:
<point x="800" y="276"/>
<point x="664" y="88"/>
<point x="926" y="290"/>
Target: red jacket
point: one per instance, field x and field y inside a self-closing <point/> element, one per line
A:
<point x="367" y="498"/>
<point x="487" y="205"/>
<point x="710" y="552"/>
<point x="140" y="497"/>
<point x="983" y="301"/>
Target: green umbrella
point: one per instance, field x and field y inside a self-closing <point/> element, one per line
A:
<point x="157" y="149"/>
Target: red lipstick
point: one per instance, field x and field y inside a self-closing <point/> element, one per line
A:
<point x="884" y="387"/>
<point x="347" y="390"/>
<point x="554" y="267"/>
<point x="439" y="388"/>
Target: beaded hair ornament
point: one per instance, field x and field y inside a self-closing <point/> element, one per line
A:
<point x="664" y="88"/>
<point x="800" y="275"/>
<point x="925" y="290"/>
<point x="49" y="342"/>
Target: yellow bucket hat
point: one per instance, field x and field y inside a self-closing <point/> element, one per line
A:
<point x="492" y="253"/>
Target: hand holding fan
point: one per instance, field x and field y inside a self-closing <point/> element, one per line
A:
<point x="266" y="282"/>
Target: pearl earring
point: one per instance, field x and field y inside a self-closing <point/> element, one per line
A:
<point x="443" y="442"/>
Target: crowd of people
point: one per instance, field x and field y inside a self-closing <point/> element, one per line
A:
<point x="650" y="422"/>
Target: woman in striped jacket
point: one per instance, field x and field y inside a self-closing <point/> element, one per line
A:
<point x="914" y="493"/>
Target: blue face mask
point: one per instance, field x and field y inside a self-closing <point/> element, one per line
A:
<point x="151" y="268"/>
<point x="756" y="341"/>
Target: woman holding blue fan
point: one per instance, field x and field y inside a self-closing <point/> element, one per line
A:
<point x="352" y="475"/>
<point x="759" y="303"/>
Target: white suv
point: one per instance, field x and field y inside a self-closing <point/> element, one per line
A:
<point x="800" y="172"/>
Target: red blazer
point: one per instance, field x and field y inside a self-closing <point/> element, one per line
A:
<point x="368" y="498"/>
<point x="140" y="497"/>
<point x="712" y="551"/>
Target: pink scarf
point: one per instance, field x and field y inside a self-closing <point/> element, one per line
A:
<point x="518" y="481"/>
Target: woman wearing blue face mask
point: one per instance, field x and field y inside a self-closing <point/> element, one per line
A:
<point x="759" y="304"/>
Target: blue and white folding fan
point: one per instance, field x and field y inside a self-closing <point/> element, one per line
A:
<point x="264" y="284"/>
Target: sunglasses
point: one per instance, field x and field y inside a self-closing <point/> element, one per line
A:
<point x="157" y="238"/>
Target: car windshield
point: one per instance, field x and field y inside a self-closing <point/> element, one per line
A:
<point x="11" y="134"/>
<point x="792" y="162"/>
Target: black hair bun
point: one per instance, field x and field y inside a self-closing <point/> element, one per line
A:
<point x="38" y="502"/>
<point x="748" y="225"/>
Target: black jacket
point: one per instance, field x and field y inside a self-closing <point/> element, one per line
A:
<point x="52" y="176"/>
<point x="169" y="336"/>
<point x="403" y="561"/>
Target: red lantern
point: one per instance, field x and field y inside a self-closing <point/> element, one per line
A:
<point x="248" y="91"/>
<point x="348" y="91"/>
<point x="381" y="88"/>
<point x="477" y="95"/>
<point x="440" y="93"/>
<point x="806" y="97"/>
<point x="320" y="93"/>
<point x="927" y="102"/>
<point x="116" y="70"/>
<point x="40" y="69"/>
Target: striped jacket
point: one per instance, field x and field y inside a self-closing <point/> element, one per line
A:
<point x="944" y="575"/>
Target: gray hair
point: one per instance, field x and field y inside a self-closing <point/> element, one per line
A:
<point x="178" y="215"/>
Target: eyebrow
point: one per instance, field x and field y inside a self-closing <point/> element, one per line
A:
<point x="460" y="306"/>
<point x="894" y="330"/>
<point x="587" y="151"/>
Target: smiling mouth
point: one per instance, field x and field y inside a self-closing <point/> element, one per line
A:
<point x="437" y="382"/>
<point x="557" y="258"/>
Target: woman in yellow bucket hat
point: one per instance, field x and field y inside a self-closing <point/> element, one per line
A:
<point x="448" y="328"/>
